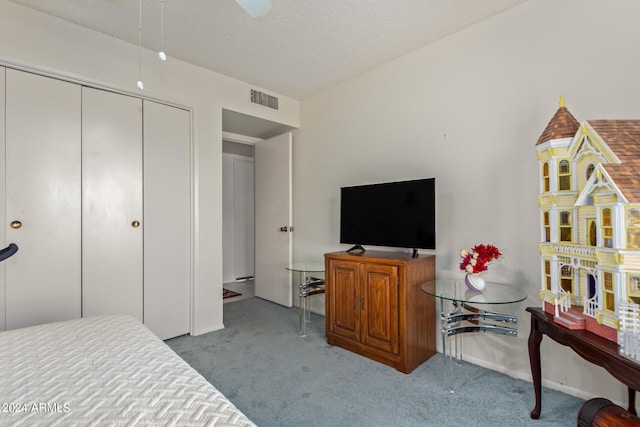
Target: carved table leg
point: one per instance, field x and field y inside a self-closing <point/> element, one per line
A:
<point x="535" y="337"/>
<point x="632" y="401"/>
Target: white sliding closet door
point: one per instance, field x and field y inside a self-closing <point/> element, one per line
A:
<point x="2" y="197"/>
<point x="244" y="217"/>
<point x="238" y="217"/>
<point x="228" y="272"/>
<point x="111" y="203"/>
<point x="42" y="199"/>
<point x="167" y="214"/>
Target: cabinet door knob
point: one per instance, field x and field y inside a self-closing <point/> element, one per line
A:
<point x="16" y="224"/>
<point x="135" y="224"/>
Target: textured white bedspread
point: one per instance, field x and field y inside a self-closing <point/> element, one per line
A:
<point x="102" y="371"/>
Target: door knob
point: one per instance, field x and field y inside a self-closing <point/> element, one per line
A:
<point x="135" y="224"/>
<point x="284" y="229"/>
<point x="16" y="224"/>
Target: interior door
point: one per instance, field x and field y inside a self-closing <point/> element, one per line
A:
<point x="273" y="219"/>
<point x="42" y="170"/>
<point x="111" y="203"/>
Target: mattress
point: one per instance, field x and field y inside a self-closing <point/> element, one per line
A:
<point x="100" y="371"/>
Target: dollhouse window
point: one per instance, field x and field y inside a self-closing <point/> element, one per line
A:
<point x="634" y="288"/>
<point x="607" y="229"/>
<point x="547" y="226"/>
<point x="633" y="228"/>
<point x="607" y="288"/>
<point x="564" y="175"/>
<point x="593" y="233"/>
<point x="545" y="176"/>
<point x="566" y="278"/>
<point x="589" y="171"/>
<point x="547" y="274"/>
<point x="565" y="226"/>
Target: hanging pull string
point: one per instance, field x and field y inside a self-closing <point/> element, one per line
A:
<point x="161" y="54"/>
<point x="140" y="84"/>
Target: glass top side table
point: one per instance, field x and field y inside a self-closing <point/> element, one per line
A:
<point x="457" y="290"/>
<point x="309" y="285"/>
<point x="306" y="267"/>
<point x="476" y="320"/>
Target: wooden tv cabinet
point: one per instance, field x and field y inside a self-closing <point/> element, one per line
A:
<point x="374" y="306"/>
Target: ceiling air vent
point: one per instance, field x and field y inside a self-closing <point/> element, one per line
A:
<point x="262" y="98"/>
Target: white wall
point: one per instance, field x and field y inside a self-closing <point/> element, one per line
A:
<point x="33" y="39"/>
<point x="469" y="110"/>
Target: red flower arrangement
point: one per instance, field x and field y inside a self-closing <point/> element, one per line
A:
<point x="477" y="260"/>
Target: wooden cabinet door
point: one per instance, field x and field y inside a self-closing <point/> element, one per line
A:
<point x="379" y="289"/>
<point x="344" y="299"/>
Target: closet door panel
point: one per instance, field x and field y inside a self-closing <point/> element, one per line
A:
<point x="238" y="217"/>
<point x="167" y="213"/>
<point x="228" y="271"/>
<point x="244" y="218"/>
<point x="43" y="118"/>
<point x="111" y="203"/>
<point x="2" y="198"/>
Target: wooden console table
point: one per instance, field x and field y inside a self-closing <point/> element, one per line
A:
<point x="589" y="346"/>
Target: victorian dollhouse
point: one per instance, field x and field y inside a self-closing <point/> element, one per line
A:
<point x="590" y="223"/>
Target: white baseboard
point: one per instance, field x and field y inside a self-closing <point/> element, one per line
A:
<point x="553" y="385"/>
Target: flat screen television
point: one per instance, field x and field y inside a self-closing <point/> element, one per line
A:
<point x="395" y="214"/>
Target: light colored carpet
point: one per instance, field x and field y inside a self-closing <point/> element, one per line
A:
<point x="279" y="379"/>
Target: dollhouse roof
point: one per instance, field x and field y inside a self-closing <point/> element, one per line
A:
<point x="562" y="125"/>
<point x="623" y="138"/>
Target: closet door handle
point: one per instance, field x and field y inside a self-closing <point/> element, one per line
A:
<point x="16" y="224"/>
<point x="8" y="251"/>
<point x="135" y="224"/>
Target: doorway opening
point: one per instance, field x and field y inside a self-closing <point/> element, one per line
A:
<point x="241" y="133"/>
<point x="238" y="218"/>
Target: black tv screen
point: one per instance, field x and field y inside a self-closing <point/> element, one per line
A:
<point x="396" y="214"/>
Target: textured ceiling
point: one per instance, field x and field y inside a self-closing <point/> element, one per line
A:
<point x="298" y="49"/>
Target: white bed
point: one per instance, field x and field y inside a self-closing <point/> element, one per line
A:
<point x="103" y="370"/>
